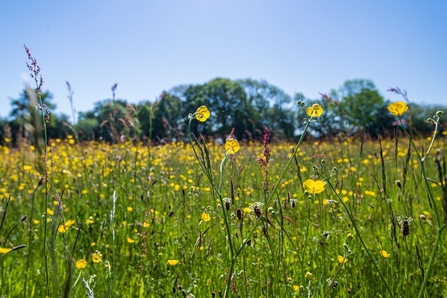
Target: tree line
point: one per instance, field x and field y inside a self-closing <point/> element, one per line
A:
<point x="246" y="105"/>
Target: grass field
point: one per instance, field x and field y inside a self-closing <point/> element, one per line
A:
<point x="348" y="217"/>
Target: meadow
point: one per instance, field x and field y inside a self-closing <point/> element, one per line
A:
<point x="343" y="217"/>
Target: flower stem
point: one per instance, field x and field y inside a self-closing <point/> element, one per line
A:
<point x="278" y="182"/>
<point x="327" y="179"/>
<point x="432" y="141"/>
<point x="430" y="263"/>
<point x="218" y="190"/>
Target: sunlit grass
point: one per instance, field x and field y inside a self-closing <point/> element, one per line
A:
<point x="170" y="235"/>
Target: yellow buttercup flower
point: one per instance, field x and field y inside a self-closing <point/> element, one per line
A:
<point x="384" y="254"/>
<point x="314" y="187"/>
<point x="62" y="229"/>
<point x="309" y="275"/>
<point x="4" y="250"/>
<point x="27" y="168"/>
<point x="315" y="110"/>
<point x="97" y="257"/>
<point x="232" y="146"/>
<point x="206" y="216"/>
<point x="172" y="262"/>
<point x="81" y="264"/>
<point x="341" y="259"/>
<point x="398" y="108"/>
<point x="202" y="113"/>
<point x="69" y="223"/>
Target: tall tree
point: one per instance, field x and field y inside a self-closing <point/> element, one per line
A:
<point x="270" y="106"/>
<point x="245" y="105"/>
<point x="26" y="115"/>
<point x="362" y="107"/>
<point x="227" y="103"/>
<point x="117" y="119"/>
<point x="87" y="126"/>
<point x="229" y="106"/>
<point x="417" y="117"/>
<point x="164" y="119"/>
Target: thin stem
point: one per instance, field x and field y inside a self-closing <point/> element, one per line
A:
<point x="432" y="140"/>
<point x="430" y="263"/>
<point x="278" y="182"/>
<point x="30" y="240"/>
<point x="327" y="179"/>
<point x="440" y="225"/>
<point x="1" y="225"/>
<point x="45" y="165"/>
<point x="330" y="287"/>
<point x="222" y="204"/>
<point x="421" y="160"/>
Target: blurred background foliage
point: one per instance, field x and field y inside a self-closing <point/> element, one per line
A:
<point x="247" y="105"/>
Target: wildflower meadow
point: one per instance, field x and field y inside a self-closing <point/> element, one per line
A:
<point x="346" y="216"/>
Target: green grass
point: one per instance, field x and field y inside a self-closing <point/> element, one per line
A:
<point x="160" y="198"/>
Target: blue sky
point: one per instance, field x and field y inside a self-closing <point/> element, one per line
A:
<point x="147" y="46"/>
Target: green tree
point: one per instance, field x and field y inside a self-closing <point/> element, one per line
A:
<point x="117" y="120"/>
<point x="257" y="93"/>
<point x="361" y="107"/>
<point x="163" y="119"/>
<point x="5" y="131"/>
<point x="228" y="104"/>
<point x="280" y="117"/>
<point x="87" y="126"/>
<point x="168" y="118"/>
<point x="245" y="105"/>
<point x="27" y="122"/>
<point x="417" y="116"/>
<point x="57" y="127"/>
<point x="270" y="106"/>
